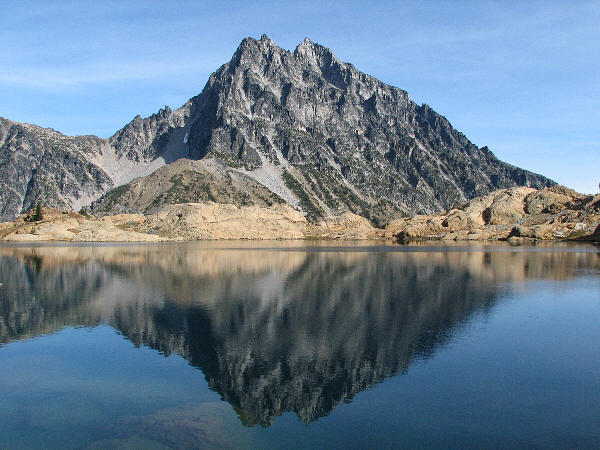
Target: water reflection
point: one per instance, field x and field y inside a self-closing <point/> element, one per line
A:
<point x="271" y="330"/>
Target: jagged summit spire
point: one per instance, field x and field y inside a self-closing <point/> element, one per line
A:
<point x="305" y="44"/>
<point x="250" y="44"/>
<point x="315" y="51"/>
<point x="264" y="40"/>
<point x="265" y="45"/>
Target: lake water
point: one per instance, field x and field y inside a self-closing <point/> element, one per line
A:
<point x="299" y="344"/>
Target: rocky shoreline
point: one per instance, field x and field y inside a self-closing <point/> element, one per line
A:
<point x="186" y="222"/>
<point x="514" y="214"/>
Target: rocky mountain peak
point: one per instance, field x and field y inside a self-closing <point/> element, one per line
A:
<point x="342" y="139"/>
<point x="265" y="38"/>
<point x="250" y="43"/>
<point x="253" y="51"/>
<point x="317" y="54"/>
<point x="315" y="131"/>
<point x="305" y="46"/>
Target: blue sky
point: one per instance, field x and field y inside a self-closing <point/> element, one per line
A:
<point x="520" y="77"/>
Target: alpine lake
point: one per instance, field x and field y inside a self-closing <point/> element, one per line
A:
<point x="300" y="344"/>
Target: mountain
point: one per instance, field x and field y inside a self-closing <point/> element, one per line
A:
<point x="42" y="165"/>
<point x="314" y="131"/>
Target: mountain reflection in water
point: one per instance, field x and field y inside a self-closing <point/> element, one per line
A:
<point x="271" y="330"/>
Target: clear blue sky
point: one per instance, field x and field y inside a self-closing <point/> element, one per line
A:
<point x="520" y="77"/>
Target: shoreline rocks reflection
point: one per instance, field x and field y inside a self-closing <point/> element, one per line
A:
<point x="273" y="331"/>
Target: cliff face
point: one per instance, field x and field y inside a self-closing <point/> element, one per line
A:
<point x="311" y="129"/>
<point x="38" y="163"/>
<point x="42" y="165"/>
<point x="338" y="138"/>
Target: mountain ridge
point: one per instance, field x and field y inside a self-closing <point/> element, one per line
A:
<point x="316" y="132"/>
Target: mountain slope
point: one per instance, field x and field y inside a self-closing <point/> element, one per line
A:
<point x="37" y="163"/>
<point x="186" y="181"/>
<point x="348" y="139"/>
<point x="42" y="165"/>
<point x="311" y="129"/>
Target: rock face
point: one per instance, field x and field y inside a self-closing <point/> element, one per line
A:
<point x="43" y="165"/>
<point x="312" y="130"/>
<point x="37" y="163"/>
<point x="515" y="213"/>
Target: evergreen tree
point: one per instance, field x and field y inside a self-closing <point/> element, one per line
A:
<point x="37" y="216"/>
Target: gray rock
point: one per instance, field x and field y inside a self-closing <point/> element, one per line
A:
<point x="39" y="164"/>
<point x="312" y="129"/>
<point x="355" y="143"/>
<point x="42" y="165"/>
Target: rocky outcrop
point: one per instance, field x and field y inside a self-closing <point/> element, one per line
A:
<point x="68" y="226"/>
<point x="347" y="226"/>
<point x="300" y="126"/>
<point x="192" y="221"/>
<point x="515" y="213"/>
<point x="187" y="221"/>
